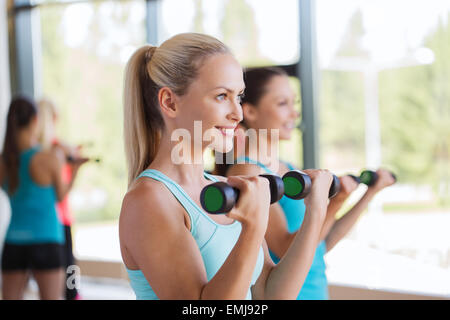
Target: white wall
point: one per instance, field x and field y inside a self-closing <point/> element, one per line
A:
<point x="5" y="96"/>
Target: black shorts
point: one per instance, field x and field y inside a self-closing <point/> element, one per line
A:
<point x="43" y="256"/>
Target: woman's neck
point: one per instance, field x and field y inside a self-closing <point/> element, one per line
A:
<point x="25" y="140"/>
<point x="184" y="169"/>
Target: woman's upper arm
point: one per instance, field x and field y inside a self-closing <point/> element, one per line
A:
<point x="154" y="233"/>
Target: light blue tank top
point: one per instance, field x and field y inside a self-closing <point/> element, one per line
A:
<point x="315" y="286"/>
<point x="33" y="209"/>
<point x="215" y="241"/>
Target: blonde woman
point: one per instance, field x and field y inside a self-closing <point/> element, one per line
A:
<point x="171" y="248"/>
<point x="48" y="118"/>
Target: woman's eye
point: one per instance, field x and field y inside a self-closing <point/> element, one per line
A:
<point x="221" y="96"/>
<point x="240" y="97"/>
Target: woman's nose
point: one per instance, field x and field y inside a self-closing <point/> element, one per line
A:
<point x="236" y="114"/>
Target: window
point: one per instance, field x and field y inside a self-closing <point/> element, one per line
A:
<point x="85" y="47"/>
<point x="384" y="102"/>
<point x="257" y="31"/>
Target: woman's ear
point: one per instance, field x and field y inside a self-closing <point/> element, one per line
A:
<point x="167" y="101"/>
<point x="249" y="112"/>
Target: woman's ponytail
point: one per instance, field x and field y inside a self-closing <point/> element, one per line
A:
<point x="21" y="112"/>
<point x="142" y="118"/>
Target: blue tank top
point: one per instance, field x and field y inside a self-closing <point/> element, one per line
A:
<point x="34" y="219"/>
<point x="215" y="241"/>
<point x="315" y="286"/>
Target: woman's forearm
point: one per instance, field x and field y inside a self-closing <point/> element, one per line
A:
<point x="287" y="277"/>
<point x="61" y="194"/>
<point x="343" y="225"/>
<point x="332" y="209"/>
<point x="233" y="279"/>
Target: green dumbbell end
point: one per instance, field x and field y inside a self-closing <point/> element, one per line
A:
<point x="297" y="184"/>
<point x="368" y="177"/>
<point x="292" y="187"/>
<point x="213" y="199"/>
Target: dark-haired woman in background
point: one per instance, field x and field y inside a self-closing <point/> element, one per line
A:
<point x="32" y="180"/>
<point x="269" y="104"/>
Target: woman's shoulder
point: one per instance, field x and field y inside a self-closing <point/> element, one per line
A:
<point x="48" y="158"/>
<point x="143" y="189"/>
<point x="148" y="213"/>
<point x="244" y="169"/>
<point x="147" y="195"/>
<point x="218" y="177"/>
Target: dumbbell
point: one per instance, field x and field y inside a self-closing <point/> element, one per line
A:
<point x="220" y="197"/>
<point x="297" y="185"/>
<point x="72" y="159"/>
<point x="368" y="177"/>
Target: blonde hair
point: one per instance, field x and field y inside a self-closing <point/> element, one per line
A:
<point x="175" y="65"/>
<point x="46" y="126"/>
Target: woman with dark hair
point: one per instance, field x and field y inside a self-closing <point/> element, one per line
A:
<point x="268" y="104"/>
<point x="32" y="180"/>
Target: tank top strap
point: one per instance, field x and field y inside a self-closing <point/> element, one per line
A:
<point x="248" y="160"/>
<point x="288" y="164"/>
<point x="210" y="177"/>
<point x="192" y="209"/>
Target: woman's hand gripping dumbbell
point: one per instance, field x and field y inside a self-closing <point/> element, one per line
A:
<point x="370" y="178"/>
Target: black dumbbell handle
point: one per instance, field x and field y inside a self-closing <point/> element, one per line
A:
<point x="335" y="187"/>
<point x="357" y="179"/>
<point x="276" y="188"/>
<point x="72" y="159"/>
